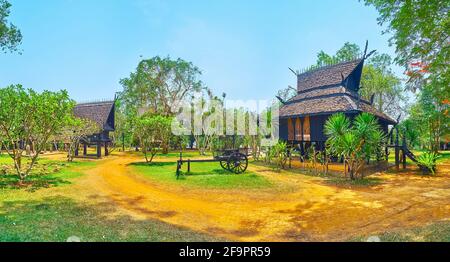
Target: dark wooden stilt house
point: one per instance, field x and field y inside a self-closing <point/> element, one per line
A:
<point x="101" y="113"/>
<point x="322" y="92"/>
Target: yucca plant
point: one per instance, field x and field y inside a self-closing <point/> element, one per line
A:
<point x="335" y="128"/>
<point x="427" y="162"/>
<point x="354" y="142"/>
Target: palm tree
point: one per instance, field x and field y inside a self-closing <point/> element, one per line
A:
<point x="354" y="142"/>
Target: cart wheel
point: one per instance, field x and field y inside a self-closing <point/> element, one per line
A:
<point x="225" y="165"/>
<point x="237" y="163"/>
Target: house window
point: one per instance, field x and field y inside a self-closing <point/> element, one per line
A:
<point x="306" y="129"/>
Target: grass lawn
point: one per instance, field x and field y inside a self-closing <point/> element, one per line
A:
<point x="444" y="156"/>
<point x="46" y="173"/>
<point x="204" y="175"/>
<point x="48" y="208"/>
<point x="58" y="218"/>
<point x="437" y="232"/>
<point x="62" y="200"/>
<point x="175" y="155"/>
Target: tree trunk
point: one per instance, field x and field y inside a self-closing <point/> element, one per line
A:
<point x="165" y="147"/>
<point x="145" y="155"/>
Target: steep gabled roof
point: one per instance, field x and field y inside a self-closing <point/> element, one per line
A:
<point x="330" y="104"/>
<point x="320" y="92"/>
<point x="330" y="89"/>
<point x="98" y="112"/>
<point x="326" y="76"/>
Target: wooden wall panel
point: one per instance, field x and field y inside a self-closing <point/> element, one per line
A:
<point x="306" y="129"/>
<point x="284" y="129"/>
<point x="298" y="129"/>
<point x="290" y="130"/>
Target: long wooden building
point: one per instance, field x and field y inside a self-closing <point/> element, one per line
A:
<point x="322" y="92"/>
<point x="101" y="113"/>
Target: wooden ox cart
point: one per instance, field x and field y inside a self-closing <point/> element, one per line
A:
<point x="233" y="160"/>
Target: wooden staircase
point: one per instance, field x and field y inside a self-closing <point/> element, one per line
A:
<point x="410" y="154"/>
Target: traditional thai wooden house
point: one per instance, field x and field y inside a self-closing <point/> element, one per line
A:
<point x="322" y="92"/>
<point x="101" y="113"/>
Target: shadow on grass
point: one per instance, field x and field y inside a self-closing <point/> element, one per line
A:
<point x="435" y="232"/>
<point x="334" y="178"/>
<point x="58" y="218"/>
<point x="203" y="170"/>
<point x="346" y="182"/>
<point x="153" y="164"/>
<point x="43" y="175"/>
<point x="218" y="171"/>
<point x="32" y="182"/>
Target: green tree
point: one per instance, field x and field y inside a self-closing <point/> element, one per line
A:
<point x="155" y="88"/>
<point x="377" y="79"/>
<point x="76" y="130"/>
<point x="287" y="93"/>
<point x="411" y="131"/>
<point x="430" y="117"/>
<point x="152" y="132"/>
<point x="31" y="118"/>
<point x="347" y="52"/>
<point x="10" y="36"/>
<point x="204" y="133"/>
<point x="355" y="142"/>
<point x="158" y="84"/>
<point x="420" y="31"/>
<point x="124" y="126"/>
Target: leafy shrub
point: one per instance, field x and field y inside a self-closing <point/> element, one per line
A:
<point x="355" y="141"/>
<point x="427" y="161"/>
<point x="280" y="154"/>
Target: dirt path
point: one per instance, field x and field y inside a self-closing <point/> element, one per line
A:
<point x="309" y="210"/>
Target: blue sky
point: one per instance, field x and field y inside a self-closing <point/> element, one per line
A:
<point x="244" y="48"/>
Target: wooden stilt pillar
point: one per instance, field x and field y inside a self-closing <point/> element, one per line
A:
<point x="99" y="149"/>
<point x="123" y="142"/>
<point x="84" y="149"/>
<point x="76" y="150"/>
<point x="404" y="151"/>
<point x="397" y="150"/>
<point x="302" y="149"/>
<point x="386" y="152"/>
<point x="391" y="138"/>
<point x="106" y="149"/>
<point x="290" y="160"/>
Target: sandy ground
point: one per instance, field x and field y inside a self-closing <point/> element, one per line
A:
<point x="300" y="208"/>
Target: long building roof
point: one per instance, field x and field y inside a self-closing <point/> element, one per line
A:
<point x="98" y="112"/>
<point x="326" y="90"/>
<point x="326" y="75"/>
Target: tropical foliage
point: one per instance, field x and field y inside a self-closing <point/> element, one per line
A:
<point x="74" y="132"/>
<point x="153" y="133"/>
<point x="378" y="81"/>
<point x="31" y="118"/>
<point x="280" y="154"/>
<point x="429" y="118"/>
<point x="420" y="34"/>
<point x="427" y="161"/>
<point x="10" y="35"/>
<point x="355" y="142"/>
